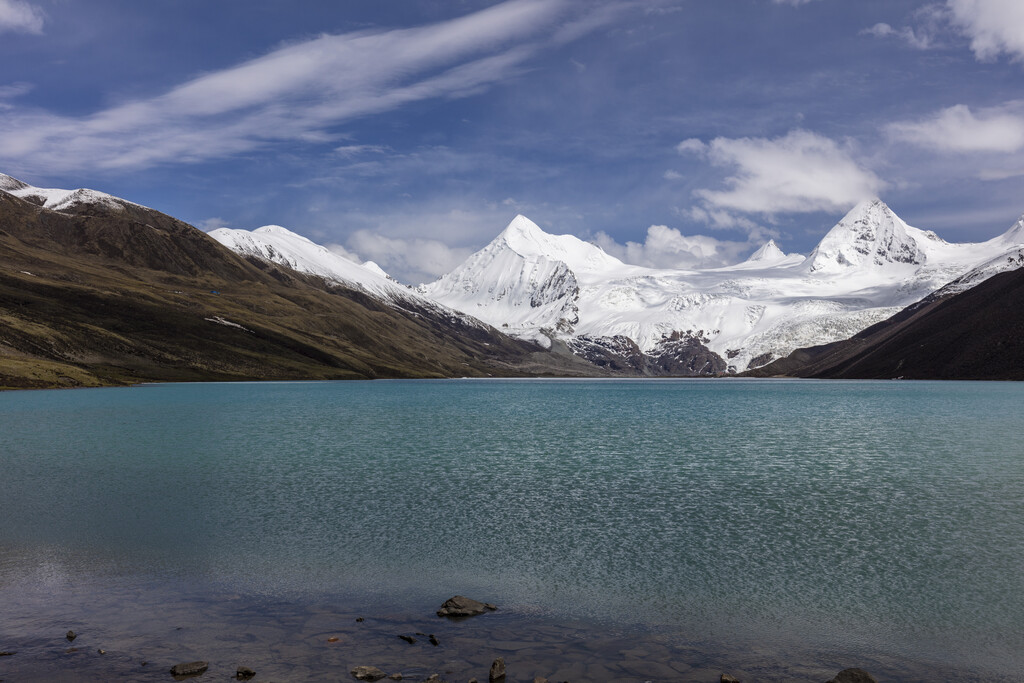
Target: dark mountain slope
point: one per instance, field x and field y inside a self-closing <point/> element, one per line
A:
<point x="977" y="334"/>
<point x="101" y="294"/>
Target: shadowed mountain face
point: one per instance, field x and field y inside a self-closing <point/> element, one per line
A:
<point x="977" y="334"/>
<point x="109" y="292"/>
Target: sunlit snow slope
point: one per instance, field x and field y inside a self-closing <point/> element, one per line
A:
<point x="60" y="200"/>
<point x="870" y="265"/>
<point x="282" y="246"/>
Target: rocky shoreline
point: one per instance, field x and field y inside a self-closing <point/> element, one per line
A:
<point x="457" y="652"/>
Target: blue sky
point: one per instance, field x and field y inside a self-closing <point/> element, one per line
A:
<point x="672" y="132"/>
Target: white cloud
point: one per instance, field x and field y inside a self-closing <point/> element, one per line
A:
<point x="212" y="223"/>
<point x="958" y="129"/>
<point x="918" y="39"/>
<point x="798" y="173"/>
<point x="692" y="146"/>
<point x="672" y="175"/>
<point x="18" y="16"/>
<point x="296" y="93"/>
<point x="666" y="247"/>
<point x="343" y="252"/>
<point x="995" y="27"/>
<point x="410" y="260"/>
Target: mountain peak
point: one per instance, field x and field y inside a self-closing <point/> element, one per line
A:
<point x="871" y="235"/>
<point x="281" y="231"/>
<point x="9" y="184"/>
<point x="523" y="234"/>
<point x="769" y="252"/>
<point x="1015" y="235"/>
<point x="527" y="239"/>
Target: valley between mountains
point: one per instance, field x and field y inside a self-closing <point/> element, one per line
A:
<point x="97" y="290"/>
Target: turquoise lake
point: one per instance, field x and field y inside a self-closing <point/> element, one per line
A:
<point x="760" y="524"/>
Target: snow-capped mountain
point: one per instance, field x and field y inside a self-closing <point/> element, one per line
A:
<point x="770" y="252"/>
<point x="279" y="245"/>
<point x="61" y="200"/>
<point x="870" y="265"/>
<point x="543" y="287"/>
<point x="871" y="237"/>
<point x="284" y="247"/>
<point x="526" y="279"/>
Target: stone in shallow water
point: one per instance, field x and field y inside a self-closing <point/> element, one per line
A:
<point x="368" y="673"/>
<point x="70" y="635"/>
<point x="853" y="676"/>
<point x="726" y="678"/>
<point x="461" y="606"/>
<point x="189" y="668"/>
<point x="497" y="671"/>
<point x="244" y="673"/>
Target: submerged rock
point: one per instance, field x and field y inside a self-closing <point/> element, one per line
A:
<point x="368" y="673"/>
<point x="497" y="674"/>
<point x="408" y="639"/>
<point x="244" y="673"/>
<point x="70" y="635"/>
<point x="853" y="676"/>
<point x="189" y="668"/>
<point x="461" y="606"/>
<point x="433" y="640"/>
<point x="7" y="654"/>
<point x="726" y="678"/>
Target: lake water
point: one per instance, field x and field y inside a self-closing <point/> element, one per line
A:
<point x="633" y="530"/>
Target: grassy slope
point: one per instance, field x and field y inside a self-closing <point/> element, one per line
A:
<point x="977" y="334"/>
<point x="111" y="297"/>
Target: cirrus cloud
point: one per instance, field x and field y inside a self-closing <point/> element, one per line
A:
<point x="297" y="93"/>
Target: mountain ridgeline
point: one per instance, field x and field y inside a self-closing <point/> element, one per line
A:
<point x="98" y="290"/>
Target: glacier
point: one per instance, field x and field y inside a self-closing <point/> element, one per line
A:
<point x="559" y="289"/>
<point x="870" y="265"/>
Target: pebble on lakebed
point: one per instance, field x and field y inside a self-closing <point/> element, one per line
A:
<point x="461" y="606"/>
<point x="189" y="668"/>
<point x="368" y="673"/>
<point x="853" y="676"/>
